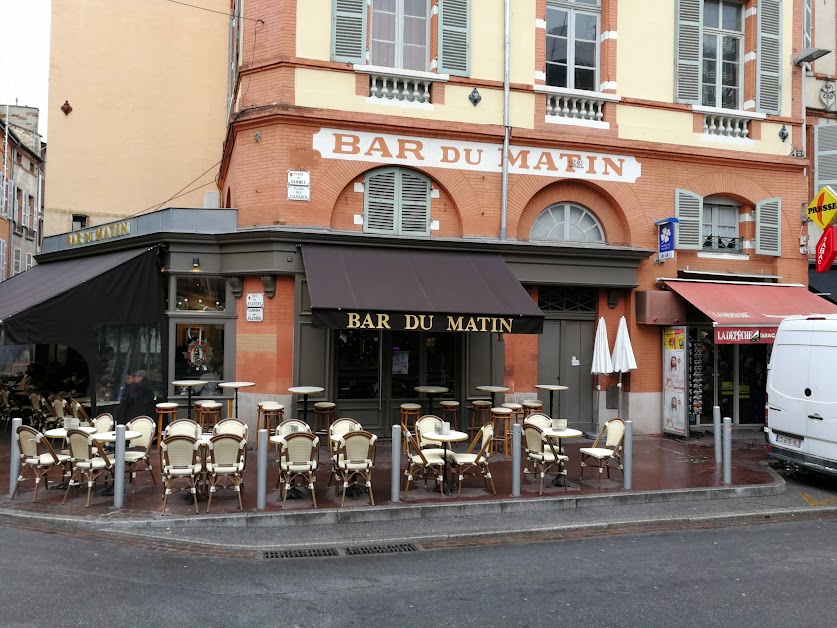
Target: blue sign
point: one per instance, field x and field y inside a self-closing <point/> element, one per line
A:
<point x="665" y="238"/>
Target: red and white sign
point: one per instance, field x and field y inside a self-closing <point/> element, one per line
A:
<point x="745" y="335"/>
<point x="827" y="249"/>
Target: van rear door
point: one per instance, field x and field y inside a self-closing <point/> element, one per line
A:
<point x="821" y="429"/>
<point x="787" y="405"/>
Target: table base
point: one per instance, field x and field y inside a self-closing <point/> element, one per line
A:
<point x="560" y="480"/>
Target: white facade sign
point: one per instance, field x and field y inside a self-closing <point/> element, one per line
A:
<point x="255" y="299"/>
<point x="479" y="156"/>
<point x="299" y="177"/>
<point x="255" y="315"/>
<point x="299" y="193"/>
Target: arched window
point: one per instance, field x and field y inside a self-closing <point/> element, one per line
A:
<point x="567" y="222"/>
<point x="396" y="202"/>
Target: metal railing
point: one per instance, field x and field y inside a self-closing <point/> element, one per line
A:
<point x="722" y="244"/>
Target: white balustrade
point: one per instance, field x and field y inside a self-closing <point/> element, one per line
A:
<point x="575" y="106"/>
<point x="726" y="125"/>
<point x="399" y="88"/>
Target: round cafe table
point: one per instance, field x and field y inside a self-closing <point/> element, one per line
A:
<point x="560" y="434"/>
<point x="235" y="386"/>
<point x="305" y="391"/>
<point x="551" y="388"/>
<point x="188" y="384"/>
<point x="60" y="432"/>
<point x="453" y="436"/>
<point x="493" y="390"/>
<point x="110" y="437"/>
<point x="431" y="391"/>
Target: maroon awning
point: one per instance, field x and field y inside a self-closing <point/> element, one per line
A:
<point x="380" y="288"/>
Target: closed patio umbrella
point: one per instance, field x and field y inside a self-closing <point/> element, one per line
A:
<point x="602" y="364"/>
<point x="623" y="355"/>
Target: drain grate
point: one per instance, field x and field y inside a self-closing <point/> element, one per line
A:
<point x="302" y="553"/>
<point x="381" y="549"/>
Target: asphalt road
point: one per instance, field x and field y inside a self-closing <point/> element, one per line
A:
<point x="779" y="574"/>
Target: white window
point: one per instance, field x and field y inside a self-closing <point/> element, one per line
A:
<point x="396" y="202"/>
<point x="806" y="26"/>
<point x="567" y="222"/>
<point x="721" y="67"/>
<point x="79" y="222"/>
<point x="400" y="32"/>
<point x="16" y="263"/>
<point x="720" y="225"/>
<point x="2" y="260"/>
<point x="572" y="44"/>
<point x="29" y="261"/>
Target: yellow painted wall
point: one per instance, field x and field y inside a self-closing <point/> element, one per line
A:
<point x="147" y="83"/>
<point x="645" y="50"/>
<point x="825" y="31"/>
<point x="313" y="27"/>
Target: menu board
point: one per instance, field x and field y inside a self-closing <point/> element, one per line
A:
<point x="674" y="381"/>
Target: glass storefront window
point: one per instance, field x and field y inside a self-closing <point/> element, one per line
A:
<point x="201" y="294"/>
<point x="358" y="360"/>
<point x="199" y="354"/>
<point x="123" y="351"/>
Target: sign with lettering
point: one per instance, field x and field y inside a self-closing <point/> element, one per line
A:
<point x="299" y="193"/>
<point x="826" y="249"/>
<point x="299" y="177"/>
<point x="255" y="299"/>
<point x="823" y="209"/>
<point x="480" y="156"/>
<point x="97" y="234"/>
<point x="342" y="319"/>
<point x="745" y="335"/>
<point x="255" y="314"/>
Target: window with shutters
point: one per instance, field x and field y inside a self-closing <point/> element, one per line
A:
<point x="2" y="260"/>
<point x="29" y="261"/>
<point x="16" y="262"/>
<point x="400" y="34"/>
<point x="396" y="202"/>
<point x="721" y="67"/>
<point x="572" y="44"/>
<point x="566" y="222"/>
<point x="719" y="231"/>
<point x="807" y="41"/>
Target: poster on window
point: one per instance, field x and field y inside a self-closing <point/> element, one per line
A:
<point x="674" y="379"/>
<point x="400" y="362"/>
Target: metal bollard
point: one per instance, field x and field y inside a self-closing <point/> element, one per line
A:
<point x="727" y="450"/>
<point x="14" y="455"/>
<point x="261" y="470"/>
<point x="119" y="468"/>
<point x="516" y="432"/>
<point x="628" y="462"/>
<point x="716" y="426"/>
<point x="395" y="480"/>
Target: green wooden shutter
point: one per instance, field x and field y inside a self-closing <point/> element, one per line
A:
<point x="769" y="57"/>
<point x="825" y="155"/>
<point x="688" y="209"/>
<point x="379" y="194"/>
<point x="414" y="214"/>
<point x="769" y="227"/>
<point x="454" y="37"/>
<point x="348" y="31"/>
<point x="688" y="46"/>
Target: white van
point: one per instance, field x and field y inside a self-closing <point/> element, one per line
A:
<point x="801" y="425"/>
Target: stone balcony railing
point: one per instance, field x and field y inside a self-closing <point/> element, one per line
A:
<point x="727" y="122"/>
<point x="390" y="84"/>
<point x="575" y="106"/>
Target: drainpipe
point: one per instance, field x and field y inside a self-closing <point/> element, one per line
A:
<point x="504" y="203"/>
<point x="8" y="271"/>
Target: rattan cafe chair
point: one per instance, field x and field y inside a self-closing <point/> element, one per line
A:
<point x="226" y="461"/>
<point x="182" y="427"/>
<point x="474" y="462"/>
<point x="139" y="449"/>
<point x="181" y="464"/>
<point x="298" y="461"/>
<point x="613" y="433"/>
<point x="89" y="460"/>
<point x="541" y="420"/>
<point x="37" y="456"/>
<point x="542" y="454"/>
<point x="423" y="464"/>
<point x="355" y="459"/>
<point x="103" y="422"/>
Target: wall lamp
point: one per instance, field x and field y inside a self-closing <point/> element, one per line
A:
<point x="196" y="262"/>
<point x="810" y="54"/>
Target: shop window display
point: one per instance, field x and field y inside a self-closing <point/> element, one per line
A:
<point x="201" y="294"/>
<point x="128" y="365"/>
<point x="199" y="354"/>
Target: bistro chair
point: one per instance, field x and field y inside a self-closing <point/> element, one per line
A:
<point x="180" y="464"/>
<point x="410" y="412"/>
<point x="78" y="411"/>
<point x="5" y="407"/>
<point x="89" y="460"/>
<point x="226" y="460"/>
<point x="208" y="413"/>
<point x="323" y="416"/>
<point x="475" y="464"/>
<point x="355" y="459"/>
<point x="424" y="464"/>
<point x="501" y="418"/>
<point x="183" y="427"/>
<point x="36" y="412"/>
<point x="289" y="426"/>
<point x="426" y="426"/>
<point x="166" y="412"/>
<point x="268" y="413"/>
<point x="139" y="448"/>
<point x="338" y="428"/>
<point x="231" y="426"/>
<point x="298" y="461"/>
<point x="517" y="411"/>
<point x="479" y="410"/>
<point x="532" y="406"/>
<point x="450" y="412"/>
<point x="541" y="453"/>
<point x="103" y="422"/>
<point x="613" y="433"/>
<point x="541" y="420"/>
<point x="37" y="456"/>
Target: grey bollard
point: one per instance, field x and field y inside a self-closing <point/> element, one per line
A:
<point x="14" y="455"/>
<point x="261" y="470"/>
<point x="395" y="480"/>
<point x="727" y="450"/>
<point x="119" y="467"/>
<point x="716" y="426"/>
<point x="515" y="488"/>
<point x="628" y="462"/>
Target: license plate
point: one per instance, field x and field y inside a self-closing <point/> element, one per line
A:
<point x="787" y="440"/>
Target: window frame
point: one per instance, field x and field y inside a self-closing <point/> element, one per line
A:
<point x="16" y="257"/>
<point x="711" y="214"/>
<point x="398" y="43"/>
<point x="397" y="202"/>
<point x="572" y="8"/>
<point x="720" y="33"/>
<point x="807" y="24"/>
<point x="567" y="207"/>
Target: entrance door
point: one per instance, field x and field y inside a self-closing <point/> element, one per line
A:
<point x="565" y="356"/>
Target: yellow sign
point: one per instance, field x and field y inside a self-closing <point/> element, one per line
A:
<point x="823" y="209"/>
<point x="116" y="230"/>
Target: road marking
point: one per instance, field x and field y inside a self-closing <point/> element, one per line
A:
<point x="817" y="502"/>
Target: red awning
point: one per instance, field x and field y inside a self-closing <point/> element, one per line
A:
<point x="750" y="313"/>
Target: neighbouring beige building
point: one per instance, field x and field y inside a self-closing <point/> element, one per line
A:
<point x="147" y="85"/>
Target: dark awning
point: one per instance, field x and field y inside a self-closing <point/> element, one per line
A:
<point x="823" y="284"/>
<point x="750" y="313"/>
<point x="379" y="288"/>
